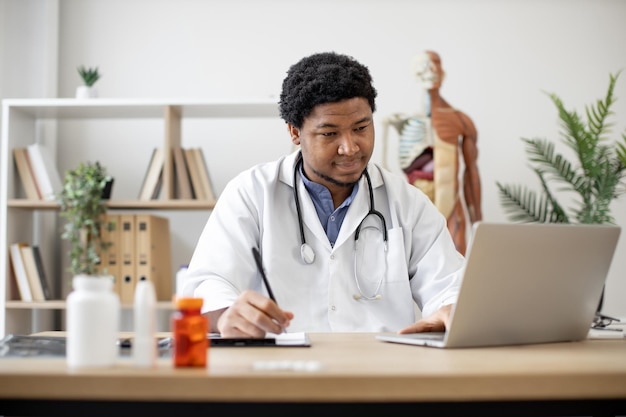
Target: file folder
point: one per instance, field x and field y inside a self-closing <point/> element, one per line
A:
<point x="127" y="247"/>
<point x="111" y="258"/>
<point x="153" y="253"/>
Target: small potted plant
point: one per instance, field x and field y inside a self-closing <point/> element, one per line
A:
<point x="92" y="307"/>
<point x="89" y="77"/>
<point x="595" y="178"/>
<point x="83" y="205"/>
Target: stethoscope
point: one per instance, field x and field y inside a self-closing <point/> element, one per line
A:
<point x="306" y="251"/>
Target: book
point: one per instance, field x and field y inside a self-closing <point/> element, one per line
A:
<point x="154" y="175"/>
<point x="32" y="273"/>
<point x="127" y="250"/>
<point x="25" y="171"/>
<point x="111" y="258"/>
<point x="46" y="173"/>
<point x="194" y="174"/>
<point x="29" y="164"/>
<point x="183" y="182"/>
<point x="47" y="291"/>
<point x="153" y="253"/>
<point x="19" y="271"/>
<point x="205" y="178"/>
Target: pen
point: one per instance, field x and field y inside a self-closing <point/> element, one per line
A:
<point x="259" y="265"/>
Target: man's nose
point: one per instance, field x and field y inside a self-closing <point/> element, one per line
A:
<point x="349" y="144"/>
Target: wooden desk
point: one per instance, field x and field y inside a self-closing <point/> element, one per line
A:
<point x="356" y="373"/>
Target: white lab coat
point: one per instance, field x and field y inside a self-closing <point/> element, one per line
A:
<point x="257" y="209"/>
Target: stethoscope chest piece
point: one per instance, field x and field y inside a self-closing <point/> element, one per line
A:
<point x="307" y="254"/>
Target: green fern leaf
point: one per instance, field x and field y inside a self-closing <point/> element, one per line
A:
<point x="596" y="178"/>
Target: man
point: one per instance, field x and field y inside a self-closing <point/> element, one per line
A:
<point x="429" y="148"/>
<point x="304" y="212"/>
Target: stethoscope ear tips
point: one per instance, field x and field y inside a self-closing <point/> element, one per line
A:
<point x="307" y="254"/>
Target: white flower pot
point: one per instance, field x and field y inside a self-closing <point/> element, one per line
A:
<point x="83" y="92"/>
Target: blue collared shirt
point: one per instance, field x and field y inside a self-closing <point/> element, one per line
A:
<point x="330" y="218"/>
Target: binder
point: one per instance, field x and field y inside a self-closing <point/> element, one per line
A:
<point x="32" y="272"/>
<point x="111" y="258"/>
<point x="127" y="248"/>
<point x="153" y="253"/>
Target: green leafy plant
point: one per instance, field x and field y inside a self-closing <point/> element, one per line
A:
<point x="594" y="180"/>
<point x="89" y="75"/>
<point x="83" y="205"/>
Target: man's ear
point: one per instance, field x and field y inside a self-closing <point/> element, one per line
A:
<point x="294" y="132"/>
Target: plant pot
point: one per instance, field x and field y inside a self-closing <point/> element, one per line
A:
<point x="84" y="92"/>
<point x="108" y="188"/>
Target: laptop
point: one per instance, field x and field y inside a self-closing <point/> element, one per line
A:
<point x="526" y="283"/>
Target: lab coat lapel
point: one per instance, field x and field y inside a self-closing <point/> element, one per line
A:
<point x="309" y="216"/>
<point x="312" y="227"/>
<point x="356" y="212"/>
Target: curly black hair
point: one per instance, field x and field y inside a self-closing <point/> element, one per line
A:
<point x="326" y="77"/>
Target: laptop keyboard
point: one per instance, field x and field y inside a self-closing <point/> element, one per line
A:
<point x="430" y="335"/>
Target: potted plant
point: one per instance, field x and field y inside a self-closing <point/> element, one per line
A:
<point x="83" y="205"/>
<point x="596" y="175"/>
<point x="89" y="77"/>
<point x="92" y="307"/>
<point x="592" y="182"/>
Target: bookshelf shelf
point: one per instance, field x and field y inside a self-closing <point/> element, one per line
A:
<point x="27" y="121"/>
<point x="61" y="305"/>
<point x="119" y="205"/>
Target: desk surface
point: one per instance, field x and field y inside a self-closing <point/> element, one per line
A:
<point x="353" y="367"/>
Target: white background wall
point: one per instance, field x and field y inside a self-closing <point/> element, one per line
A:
<point x="500" y="58"/>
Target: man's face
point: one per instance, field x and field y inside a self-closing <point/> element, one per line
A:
<point x="337" y="141"/>
<point x="427" y="70"/>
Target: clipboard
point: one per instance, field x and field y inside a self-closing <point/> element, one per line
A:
<point x="300" y="339"/>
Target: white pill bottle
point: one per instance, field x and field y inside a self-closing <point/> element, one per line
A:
<point x="93" y="316"/>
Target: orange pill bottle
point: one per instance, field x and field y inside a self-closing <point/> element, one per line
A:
<point x="190" y="331"/>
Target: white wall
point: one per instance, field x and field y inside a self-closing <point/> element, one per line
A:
<point x="500" y="58"/>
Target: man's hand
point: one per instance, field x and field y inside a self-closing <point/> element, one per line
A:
<point x="436" y="322"/>
<point x="253" y="315"/>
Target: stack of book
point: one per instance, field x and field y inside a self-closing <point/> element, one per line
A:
<point x="38" y="171"/>
<point x="28" y="270"/>
<point x="192" y="179"/>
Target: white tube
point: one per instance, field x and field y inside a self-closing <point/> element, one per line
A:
<point x="144" y="342"/>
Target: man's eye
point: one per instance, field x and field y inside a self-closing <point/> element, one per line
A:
<point x="328" y="134"/>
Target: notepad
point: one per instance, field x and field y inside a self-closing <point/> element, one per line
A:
<point x="299" y="339"/>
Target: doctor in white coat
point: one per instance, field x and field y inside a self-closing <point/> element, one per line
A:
<point x="346" y="245"/>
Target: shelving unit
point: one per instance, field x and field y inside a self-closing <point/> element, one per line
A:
<point x="27" y="220"/>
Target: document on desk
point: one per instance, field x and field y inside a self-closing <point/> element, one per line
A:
<point x="299" y="339"/>
<point x="613" y="331"/>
